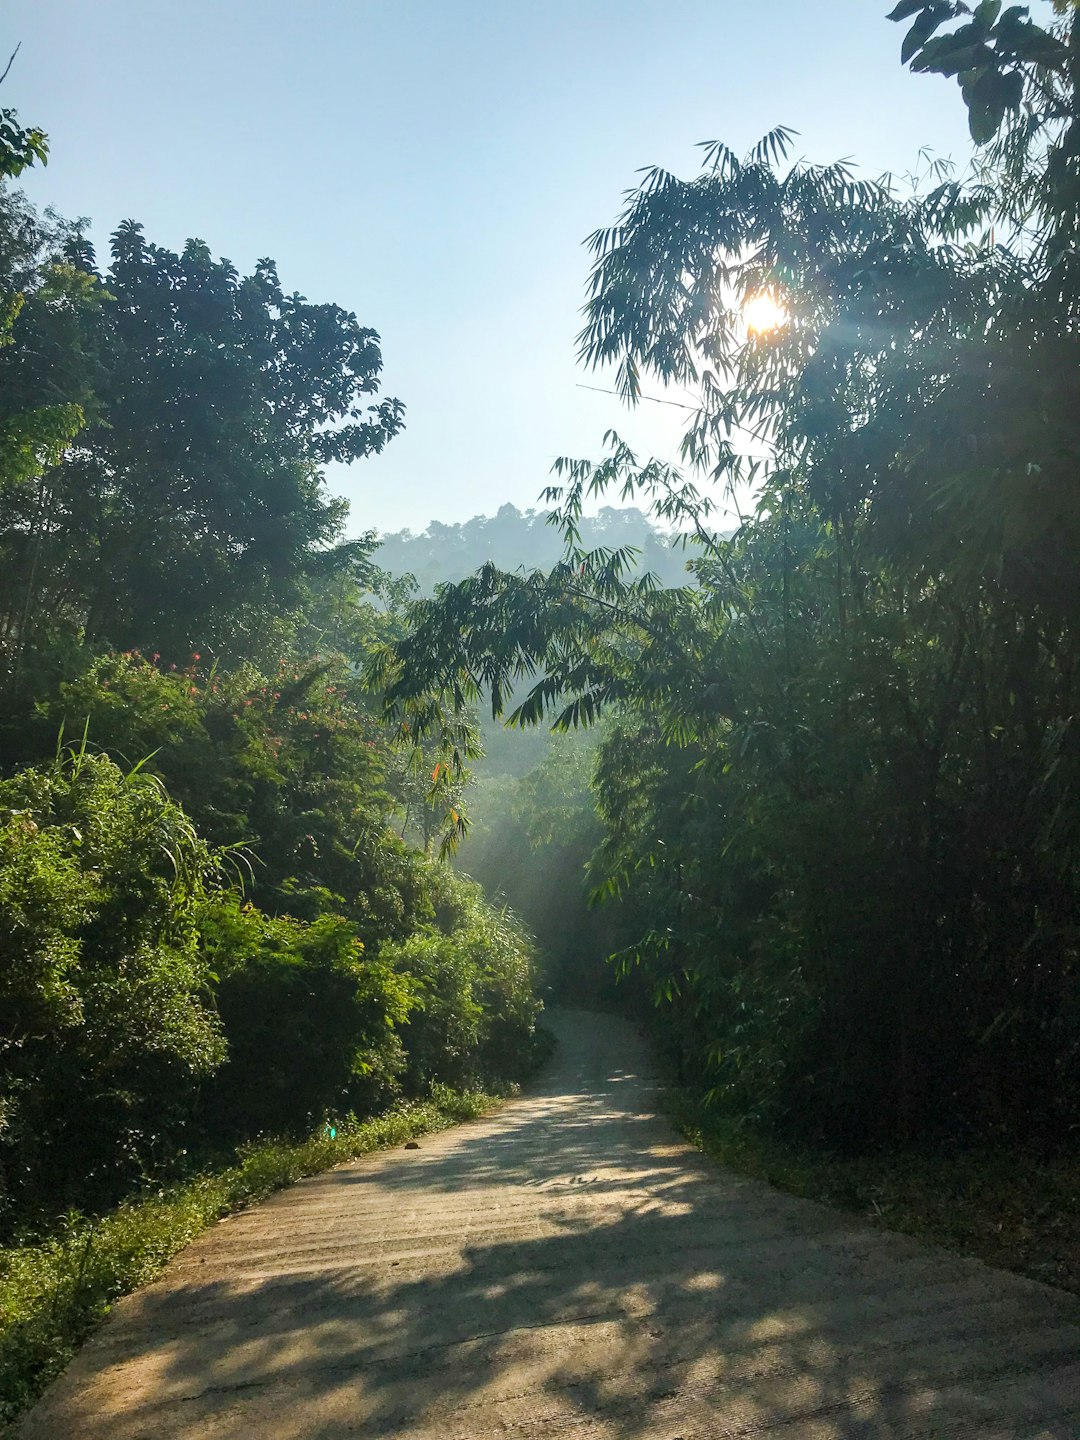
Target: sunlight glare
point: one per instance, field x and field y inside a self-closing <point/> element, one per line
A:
<point x="763" y="312"/>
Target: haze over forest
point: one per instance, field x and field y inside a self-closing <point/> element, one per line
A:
<point x="367" y="685"/>
<point x="512" y="539"/>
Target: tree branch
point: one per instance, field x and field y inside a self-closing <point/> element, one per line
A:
<point x="11" y="62"/>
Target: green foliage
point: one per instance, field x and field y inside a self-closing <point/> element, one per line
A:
<point x="105" y="1025"/>
<point x="149" y="1011"/>
<point x="49" y="311"/>
<point x="53" y="1293"/>
<point x="192" y="512"/>
<point x="312" y="1023"/>
<point x="840" y="797"/>
<point x="203" y="475"/>
<point x="20" y="146"/>
<point x="292" y="766"/>
<point x="470" y="971"/>
<point x="998" y="58"/>
<point x="316" y="994"/>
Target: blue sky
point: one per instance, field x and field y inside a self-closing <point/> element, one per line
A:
<point x="434" y="165"/>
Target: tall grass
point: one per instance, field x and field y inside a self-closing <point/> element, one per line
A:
<point x="54" y="1292"/>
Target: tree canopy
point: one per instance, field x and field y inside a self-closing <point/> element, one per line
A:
<point x="216" y="401"/>
<point x="839" y="798"/>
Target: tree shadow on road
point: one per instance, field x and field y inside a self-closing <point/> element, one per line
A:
<point x="612" y="1283"/>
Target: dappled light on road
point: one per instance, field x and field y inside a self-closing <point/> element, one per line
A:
<point x="568" y="1267"/>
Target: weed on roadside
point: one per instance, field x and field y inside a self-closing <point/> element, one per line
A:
<point x="53" y="1292"/>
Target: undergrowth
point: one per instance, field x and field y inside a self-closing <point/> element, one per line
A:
<point x="52" y="1293"/>
<point x="1010" y="1208"/>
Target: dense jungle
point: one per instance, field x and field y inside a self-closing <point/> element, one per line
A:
<point x="299" y="826"/>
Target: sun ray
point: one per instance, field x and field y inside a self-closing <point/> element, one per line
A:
<point x="762" y="312"/>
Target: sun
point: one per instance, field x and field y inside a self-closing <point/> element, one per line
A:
<point x="763" y="312"/>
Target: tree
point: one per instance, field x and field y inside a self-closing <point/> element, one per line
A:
<point x="45" y="373"/>
<point x="20" y="145"/>
<point x="48" y="372"/>
<point x="195" y="498"/>
<point x="841" y="796"/>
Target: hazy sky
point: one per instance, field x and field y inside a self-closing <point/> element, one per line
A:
<point x="434" y="165"/>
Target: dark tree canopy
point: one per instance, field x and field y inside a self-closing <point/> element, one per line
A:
<point x="224" y="397"/>
<point x="839" y="796"/>
<point x="171" y="495"/>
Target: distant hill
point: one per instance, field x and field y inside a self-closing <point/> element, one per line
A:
<point x="513" y="538"/>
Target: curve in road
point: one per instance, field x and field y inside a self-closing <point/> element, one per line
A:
<point x="567" y="1268"/>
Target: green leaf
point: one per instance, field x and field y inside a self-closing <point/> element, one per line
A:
<point x="933" y="16"/>
<point x="987" y="99"/>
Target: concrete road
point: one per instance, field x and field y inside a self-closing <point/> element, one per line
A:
<point x="567" y="1268"/>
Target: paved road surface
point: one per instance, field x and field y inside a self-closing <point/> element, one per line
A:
<point x="568" y="1269"/>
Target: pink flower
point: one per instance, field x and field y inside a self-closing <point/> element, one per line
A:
<point x="196" y="656"/>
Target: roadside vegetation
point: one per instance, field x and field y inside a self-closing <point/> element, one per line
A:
<point x="54" y="1292"/>
<point x="1012" y="1206"/>
<point x="233" y="952"/>
<point x="822" y="835"/>
<point x="836" y="787"/>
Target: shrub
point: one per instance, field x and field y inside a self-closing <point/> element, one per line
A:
<point x="476" y="1011"/>
<point x="105" y="1026"/>
<point x="311" y="1020"/>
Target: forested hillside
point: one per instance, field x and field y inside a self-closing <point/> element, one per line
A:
<point x="512" y="540"/>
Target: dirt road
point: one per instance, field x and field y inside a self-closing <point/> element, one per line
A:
<point x="567" y="1268"/>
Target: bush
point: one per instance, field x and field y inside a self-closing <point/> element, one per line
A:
<point x="475" y="1011"/>
<point x="149" y="1014"/>
<point x="291" y="764"/>
<point x="105" y="1025"/>
<point x="311" y="1020"/>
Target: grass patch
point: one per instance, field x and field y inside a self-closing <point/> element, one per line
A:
<point x="54" y="1292"/>
<point x="1010" y="1208"/>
